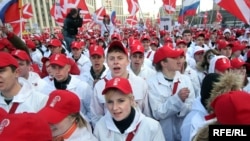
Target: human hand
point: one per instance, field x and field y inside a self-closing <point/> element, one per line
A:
<point x="184" y="93"/>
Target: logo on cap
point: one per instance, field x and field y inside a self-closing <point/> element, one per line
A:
<point x="54" y="101"/>
<point x="57" y="56"/>
<point x="4" y="123"/>
<point x="116" y="81"/>
<point x="17" y="52"/>
<point x="224" y="60"/>
<point x="95" y="49"/>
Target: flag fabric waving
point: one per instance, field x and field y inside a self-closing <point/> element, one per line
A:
<point x="169" y="6"/>
<point x="238" y="8"/>
<point x="100" y="13"/>
<point x="27" y="11"/>
<point x="61" y="8"/>
<point x="133" y="6"/>
<point x="188" y="9"/>
<point x="113" y="17"/>
<point x="218" y="16"/>
<point x="131" y="20"/>
<point x="9" y="10"/>
<point x="205" y="18"/>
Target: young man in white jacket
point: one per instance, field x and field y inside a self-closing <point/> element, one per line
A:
<point x="117" y="60"/>
<point x="171" y="93"/>
<point x="17" y="94"/>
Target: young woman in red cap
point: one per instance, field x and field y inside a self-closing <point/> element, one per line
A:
<point x="67" y="123"/>
<point x="124" y="120"/>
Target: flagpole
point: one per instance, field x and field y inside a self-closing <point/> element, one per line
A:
<point x="182" y="11"/>
<point x="20" y="15"/>
<point x="211" y="17"/>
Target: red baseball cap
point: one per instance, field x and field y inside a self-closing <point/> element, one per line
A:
<point x="167" y="52"/>
<point x="54" y="43"/>
<point x="223" y="43"/>
<point x="61" y="103"/>
<point x="7" y="59"/>
<point x="24" y="127"/>
<point x="236" y="63"/>
<point x="20" y="54"/>
<point x="76" y="45"/>
<point x="115" y="36"/>
<point x="237" y="46"/>
<point x="137" y="48"/>
<point x="181" y="42"/>
<point x="232" y="108"/>
<point x="30" y="44"/>
<point x="59" y="59"/>
<point x="119" y="45"/>
<point x="145" y="37"/>
<point x="222" y="64"/>
<point x="119" y="83"/>
<point x="96" y="50"/>
<point x="168" y="40"/>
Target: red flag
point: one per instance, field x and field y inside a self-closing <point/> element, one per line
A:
<point x="61" y="8"/>
<point x="100" y="13"/>
<point x="169" y="6"/>
<point x="27" y="11"/>
<point x="218" y="16"/>
<point x="133" y="6"/>
<point x="13" y="12"/>
<point x="238" y="8"/>
<point x="205" y="18"/>
<point x="16" y="26"/>
<point x="132" y="20"/>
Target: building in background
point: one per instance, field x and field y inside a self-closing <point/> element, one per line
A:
<point x="41" y="15"/>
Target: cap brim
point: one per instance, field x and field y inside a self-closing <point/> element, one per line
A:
<point x="95" y="53"/>
<point x="113" y="87"/>
<point x="57" y="63"/>
<point x="117" y="44"/>
<point x="51" y="116"/>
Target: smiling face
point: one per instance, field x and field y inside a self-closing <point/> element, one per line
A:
<point x="119" y="104"/>
<point x="117" y="62"/>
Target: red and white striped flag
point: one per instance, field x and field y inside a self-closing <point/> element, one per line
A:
<point x="100" y="13"/>
<point x="218" y="16"/>
<point x="169" y="6"/>
<point x="133" y="6"/>
<point x="27" y="11"/>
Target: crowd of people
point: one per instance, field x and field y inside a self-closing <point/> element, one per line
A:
<point x="127" y="84"/>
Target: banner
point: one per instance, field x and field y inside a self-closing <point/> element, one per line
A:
<point x="166" y="23"/>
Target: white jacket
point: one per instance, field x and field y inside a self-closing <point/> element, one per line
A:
<point x="148" y="130"/>
<point x="87" y="77"/>
<point x="36" y="57"/>
<point x="28" y="98"/>
<point x="145" y="72"/>
<point x="83" y="91"/>
<point x="169" y="109"/>
<point x="83" y="63"/>
<point x="149" y="54"/>
<point x="40" y="84"/>
<point x="193" y="121"/>
<point x="140" y="91"/>
<point x="192" y="74"/>
<point x="82" y="134"/>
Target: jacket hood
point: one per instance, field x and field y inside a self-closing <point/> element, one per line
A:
<point x="228" y="81"/>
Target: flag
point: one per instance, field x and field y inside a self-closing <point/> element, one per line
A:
<point x="132" y="20"/>
<point x="205" y="18"/>
<point x="148" y="23"/>
<point x="100" y="13"/>
<point x="9" y="10"/>
<point x="133" y="6"/>
<point x="61" y="8"/>
<point x="238" y="8"/>
<point x="169" y="6"/>
<point x="189" y="8"/>
<point x="27" y="11"/>
<point x="218" y="16"/>
<point x="113" y="17"/>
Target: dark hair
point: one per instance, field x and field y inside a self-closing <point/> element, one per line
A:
<point x="186" y="31"/>
<point x="72" y="12"/>
<point x="13" y="68"/>
<point x="158" y="66"/>
<point x="204" y="65"/>
<point x="116" y="49"/>
<point x="108" y="22"/>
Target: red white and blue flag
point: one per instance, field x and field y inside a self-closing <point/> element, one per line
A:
<point x="189" y="8"/>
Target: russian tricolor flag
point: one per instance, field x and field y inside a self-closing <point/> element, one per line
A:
<point x="189" y="8"/>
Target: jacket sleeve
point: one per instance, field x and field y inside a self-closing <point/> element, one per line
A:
<point x="96" y="108"/>
<point x="163" y="107"/>
<point x="158" y="136"/>
<point x="146" y="108"/>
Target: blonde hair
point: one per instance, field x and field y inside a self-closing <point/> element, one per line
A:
<point x="111" y="92"/>
<point x="203" y="133"/>
<point x="79" y="120"/>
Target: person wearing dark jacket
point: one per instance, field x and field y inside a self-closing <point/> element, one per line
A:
<point x="70" y="27"/>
